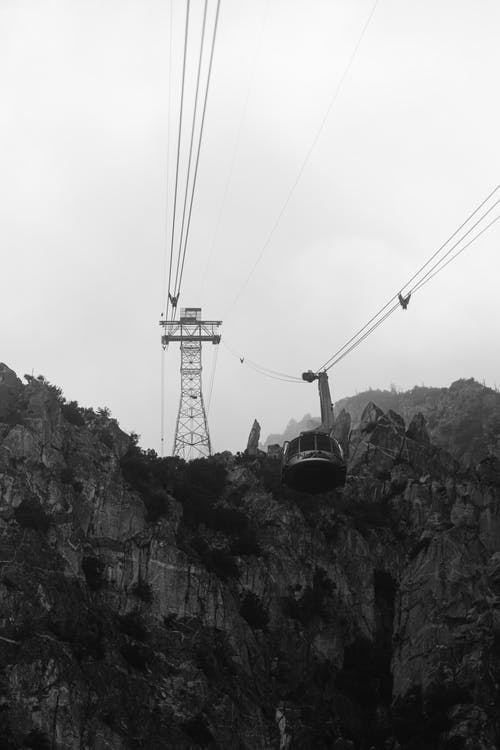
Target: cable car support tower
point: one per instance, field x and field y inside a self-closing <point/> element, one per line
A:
<point x="192" y="437"/>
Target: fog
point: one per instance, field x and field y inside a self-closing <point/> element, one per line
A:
<point x="408" y="150"/>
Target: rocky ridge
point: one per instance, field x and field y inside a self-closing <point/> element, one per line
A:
<point x="147" y="603"/>
<point x="464" y="419"/>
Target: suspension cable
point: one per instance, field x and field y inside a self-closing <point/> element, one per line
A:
<point x="178" y="154"/>
<point x="456" y="244"/>
<point x="266" y="374"/>
<point x="426" y="281"/>
<point x="376" y="320"/>
<point x="268" y="371"/>
<point x="195" y="111"/>
<point x="165" y="290"/>
<point x="464" y="223"/>
<point x="344" y="351"/>
<point x="415" y="289"/>
<point x="275" y="374"/>
<point x="360" y="340"/>
<point x="334" y="358"/>
<point x="209" y="74"/>
<point x="212" y="379"/>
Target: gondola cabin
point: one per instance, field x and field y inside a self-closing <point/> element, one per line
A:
<point x="313" y="462"/>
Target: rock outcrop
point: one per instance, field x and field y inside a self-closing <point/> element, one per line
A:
<point x="464" y="419"/>
<point x="253" y="439"/>
<point x="148" y="603"/>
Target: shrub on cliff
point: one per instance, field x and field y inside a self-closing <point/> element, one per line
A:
<point x="84" y="630"/>
<point x="93" y="569"/>
<point x="270" y="476"/>
<point x="197" y="730"/>
<point x="246" y="542"/>
<point x="224" y="565"/>
<point x="200" y="492"/>
<point x="152" y="477"/>
<point x="7" y="741"/>
<point x="316" y="601"/>
<point x="253" y="611"/>
<point x="136" y="655"/>
<point x="72" y="413"/>
<point x="135" y="652"/>
<point x="30" y="514"/>
<point x="132" y="624"/>
<point x="37" y="740"/>
<point x="14" y="411"/>
<point x="368" y="514"/>
<point x="364" y="672"/>
<point x="206" y="473"/>
<point x="197" y="485"/>
<point x="218" y="561"/>
<point x="143" y="591"/>
<point x="420" y="718"/>
<point x="89" y="643"/>
<point x="202" y="485"/>
<point x="67" y="475"/>
<point x="106" y="438"/>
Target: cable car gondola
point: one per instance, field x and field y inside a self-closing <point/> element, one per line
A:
<point x="313" y="462"/>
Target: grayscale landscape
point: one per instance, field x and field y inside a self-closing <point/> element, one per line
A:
<point x="249" y="372"/>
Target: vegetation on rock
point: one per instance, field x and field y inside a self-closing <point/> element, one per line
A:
<point x="253" y="610"/>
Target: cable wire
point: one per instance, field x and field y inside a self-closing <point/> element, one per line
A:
<point x="266" y="374"/>
<point x="359" y="341"/>
<point x="178" y="153"/>
<point x="274" y="374"/>
<point x="268" y="371"/>
<point x="212" y="379"/>
<point x="464" y="223"/>
<point x="209" y="74"/>
<point x="425" y="280"/>
<point x="326" y="365"/>
<point x="343" y="352"/>
<point x="195" y="111"/>
<point x="164" y="290"/>
<point x="457" y="243"/>
<point x="306" y="158"/>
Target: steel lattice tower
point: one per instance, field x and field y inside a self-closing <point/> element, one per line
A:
<point x="191" y="429"/>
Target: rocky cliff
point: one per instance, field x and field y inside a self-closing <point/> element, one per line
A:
<point x="148" y="603"/>
<point x="464" y="419"/>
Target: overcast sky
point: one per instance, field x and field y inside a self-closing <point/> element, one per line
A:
<point x="409" y="149"/>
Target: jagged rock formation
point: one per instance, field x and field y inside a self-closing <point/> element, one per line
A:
<point x="464" y="418"/>
<point x="253" y="439"/>
<point x="148" y="603"/>
<point x="342" y="430"/>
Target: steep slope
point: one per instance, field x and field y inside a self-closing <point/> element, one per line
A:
<point x="150" y="603"/>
